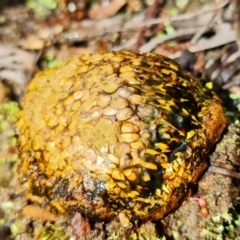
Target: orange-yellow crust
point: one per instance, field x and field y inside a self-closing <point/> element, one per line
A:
<point x="116" y="132"/>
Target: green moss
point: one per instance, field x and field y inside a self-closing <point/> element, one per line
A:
<point x="225" y="225"/>
<point x="42" y="7"/>
<point x="8" y="157"/>
<point x="8" y="112"/>
<point x="50" y="61"/>
<point x="52" y="232"/>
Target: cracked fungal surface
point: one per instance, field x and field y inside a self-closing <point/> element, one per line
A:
<point x="116" y="132"/>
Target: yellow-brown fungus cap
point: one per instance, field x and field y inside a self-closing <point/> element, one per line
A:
<point x="116" y="132"/>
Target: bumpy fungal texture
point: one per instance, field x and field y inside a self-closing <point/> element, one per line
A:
<point x="116" y="132"/>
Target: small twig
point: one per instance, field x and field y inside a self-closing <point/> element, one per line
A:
<point x="126" y="45"/>
<point x="181" y="17"/>
<point x="151" y="11"/>
<point x="206" y="27"/>
<point x="236" y="21"/>
<point x="233" y="57"/>
<point x="224" y="171"/>
<point x="149" y="46"/>
<point x="81" y="35"/>
<point x="233" y="86"/>
<point x="220" y="38"/>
